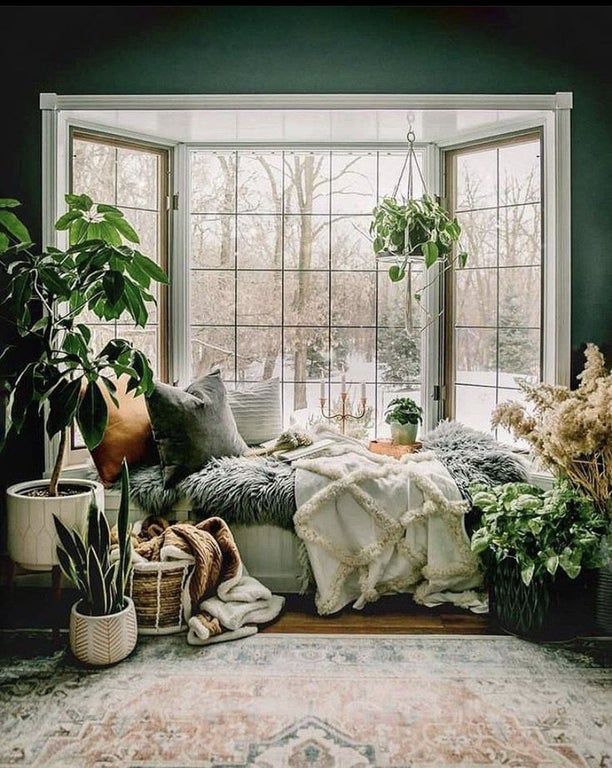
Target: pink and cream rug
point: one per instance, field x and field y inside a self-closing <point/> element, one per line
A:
<point x="309" y="702"/>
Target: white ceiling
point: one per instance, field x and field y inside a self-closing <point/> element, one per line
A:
<point x="299" y="125"/>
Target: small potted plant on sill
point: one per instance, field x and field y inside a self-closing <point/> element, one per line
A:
<point x="404" y="416"/>
<point x="103" y="626"/>
<point x="52" y="370"/>
<point x="534" y="545"/>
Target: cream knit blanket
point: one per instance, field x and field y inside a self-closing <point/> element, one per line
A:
<point x="374" y="525"/>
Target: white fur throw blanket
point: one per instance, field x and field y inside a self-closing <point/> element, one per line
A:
<point x="374" y="525"/>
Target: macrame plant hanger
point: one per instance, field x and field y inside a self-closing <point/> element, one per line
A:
<point x="410" y="161"/>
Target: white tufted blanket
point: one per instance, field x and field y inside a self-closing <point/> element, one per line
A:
<point x="373" y="525"/>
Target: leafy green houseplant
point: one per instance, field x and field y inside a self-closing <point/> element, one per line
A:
<point x="103" y="620"/>
<point x="530" y="540"/>
<point x="404" y="417"/>
<point x="53" y="369"/>
<point x="414" y="228"/>
<point x="86" y="561"/>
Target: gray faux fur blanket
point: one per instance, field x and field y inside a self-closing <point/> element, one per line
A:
<point x="255" y="491"/>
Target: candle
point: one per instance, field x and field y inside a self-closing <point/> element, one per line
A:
<point x="363" y="391"/>
<point x="322" y="392"/>
<point x="343" y="381"/>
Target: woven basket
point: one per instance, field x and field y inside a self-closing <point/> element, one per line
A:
<point x="156" y="589"/>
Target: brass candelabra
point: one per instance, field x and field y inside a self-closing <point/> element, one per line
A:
<point x="344" y="415"/>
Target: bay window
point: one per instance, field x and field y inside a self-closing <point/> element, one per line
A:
<point x="266" y="241"/>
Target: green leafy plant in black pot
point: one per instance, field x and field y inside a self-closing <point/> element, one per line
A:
<point x="404" y="416"/>
<point x="534" y="545"/>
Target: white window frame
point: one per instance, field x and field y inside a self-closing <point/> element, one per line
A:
<point x="555" y="123"/>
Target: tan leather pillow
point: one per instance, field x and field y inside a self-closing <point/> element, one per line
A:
<point x="128" y="433"/>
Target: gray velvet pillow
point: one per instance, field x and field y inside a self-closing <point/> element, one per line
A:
<point x="192" y="426"/>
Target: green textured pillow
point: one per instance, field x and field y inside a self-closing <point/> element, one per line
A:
<point x="191" y="428"/>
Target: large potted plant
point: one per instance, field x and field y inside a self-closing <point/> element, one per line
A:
<point x="103" y="626"/>
<point x="403" y="416"/>
<point x="570" y="433"/>
<point x="52" y="370"/>
<point x="534" y="544"/>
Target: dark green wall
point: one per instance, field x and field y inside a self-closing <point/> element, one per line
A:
<point x="333" y="49"/>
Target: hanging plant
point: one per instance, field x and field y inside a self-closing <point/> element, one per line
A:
<point x="414" y="230"/>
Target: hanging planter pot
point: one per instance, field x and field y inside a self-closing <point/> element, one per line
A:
<point x="411" y="232"/>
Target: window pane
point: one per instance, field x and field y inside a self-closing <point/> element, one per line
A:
<point x="353" y="352"/>
<point x="137" y="178"/>
<point x="479" y="237"/>
<point x="212" y="348"/>
<point x="301" y="403"/>
<point x="260" y="183"/>
<point x="258" y="353"/>
<point x="476" y="179"/>
<point x="476" y="356"/>
<point x="307" y="182"/>
<point x="260" y="242"/>
<point x="306" y="355"/>
<point x="389" y="169"/>
<point x="93" y="170"/>
<point x="306" y="242"/>
<point x="520" y="235"/>
<point x="353" y="298"/>
<point x="306" y="298"/>
<point x="519" y="355"/>
<point x="212" y="241"/>
<point x="473" y="406"/>
<point x="351" y="247"/>
<point x="353" y="183"/>
<point x="399" y="355"/>
<point x="498" y="308"/>
<point x="476" y="297"/>
<point x="213" y="182"/>
<point x="146" y="224"/>
<point x="519" y="296"/>
<point x="212" y="298"/>
<point x="259" y="298"/>
<point x="393" y="301"/>
<point x="519" y="173"/>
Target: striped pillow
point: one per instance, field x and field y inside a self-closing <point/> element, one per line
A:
<point x="257" y="410"/>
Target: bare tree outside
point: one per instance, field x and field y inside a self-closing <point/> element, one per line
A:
<point x="284" y="282"/>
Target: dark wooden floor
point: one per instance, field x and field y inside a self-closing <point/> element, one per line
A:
<point x="390" y="615"/>
<point x="32" y="608"/>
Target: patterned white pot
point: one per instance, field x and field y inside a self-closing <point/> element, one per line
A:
<point x="103" y="640"/>
<point x="31" y="532"/>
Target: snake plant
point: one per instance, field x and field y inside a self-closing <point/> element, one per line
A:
<point x="100" y="580"/>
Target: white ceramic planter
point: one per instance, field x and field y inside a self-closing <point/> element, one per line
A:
<point x="103" y="640"/>
<point x="403" y="434"/>
<point x="31" y="537"/>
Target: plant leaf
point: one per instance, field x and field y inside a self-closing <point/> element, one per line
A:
<point x="92" y="415"/>
<point x="14" y="226"/>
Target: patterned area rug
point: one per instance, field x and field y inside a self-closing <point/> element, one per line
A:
<point x="308" y="702"/>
